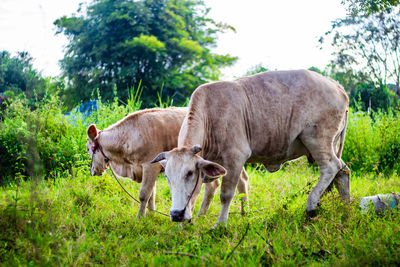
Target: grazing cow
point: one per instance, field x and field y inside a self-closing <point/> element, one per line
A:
<point x="130" y="144"/>
<point x="271" y="118"/>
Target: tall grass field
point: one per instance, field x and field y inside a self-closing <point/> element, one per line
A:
<point x="54" y="213"/>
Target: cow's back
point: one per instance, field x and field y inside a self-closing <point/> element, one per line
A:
<point x="142" y="135"/>
<point x="283" y="103"/>
<point x="260" y="114"/>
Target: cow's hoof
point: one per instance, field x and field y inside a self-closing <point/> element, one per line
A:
<point x="311" y="214"/>
<point x="219" y="227"/>
<point x="201" y="213"/>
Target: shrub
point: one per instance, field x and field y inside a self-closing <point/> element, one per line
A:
<point x="42" y="140"/>
<point x="33" y="142"/>
<point x="387" y="126"/>
<point x="376" y="97"/>
<point x="373" y="142"/>
<point x="360" y="149"/>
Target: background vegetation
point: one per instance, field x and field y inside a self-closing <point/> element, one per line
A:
<point x="123" y="56"/>
<point x="165" y="44"/>
<point x="44" y="140"/>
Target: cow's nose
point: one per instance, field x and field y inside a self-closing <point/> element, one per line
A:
<point x="177" y="215"/>
<point x="94" y="173"/>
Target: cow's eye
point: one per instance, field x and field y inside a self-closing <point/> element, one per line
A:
<point x="189" y="174"/>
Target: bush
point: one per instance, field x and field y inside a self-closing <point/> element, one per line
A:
<point x="387" y="126"/>
<point x="373" y="142"/>
<point x="368" y="95"/>
<point x="42" y="140"/>
<point x="33" y="142"/>
<point x="360" y="148"/>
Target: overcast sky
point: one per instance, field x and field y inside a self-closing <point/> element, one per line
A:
<point x="277" y="34"/>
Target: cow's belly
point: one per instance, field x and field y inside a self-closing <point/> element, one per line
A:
<point x="128" y="170"/>
<point x="137" y="173"/>
<point x="274" y="161"/>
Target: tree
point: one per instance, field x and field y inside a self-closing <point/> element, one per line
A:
<point x="17" y="75"/>
<point x="370" y="44"/>
<point x="367" y="7"/>
<point x="369" y="96"/>
<point x="164" y="44"/>
<point x="255" y="69"/>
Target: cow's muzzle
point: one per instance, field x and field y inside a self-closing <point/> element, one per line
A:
<point x="96" y="173"/>
<point x="177" y="215"/>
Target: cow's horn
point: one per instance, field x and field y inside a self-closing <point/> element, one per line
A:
<point x="195" y="149"/>
<point x="159" y="157"/>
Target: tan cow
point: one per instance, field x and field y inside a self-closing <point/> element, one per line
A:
<point x="130" y="144"/>
<point x="271" y="117"/>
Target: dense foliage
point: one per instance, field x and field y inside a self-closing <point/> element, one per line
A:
<point x="369" y="96"/>
<point x="164" y="44"/>
<point x="361" y="7"/>
<point x="373" y="143"/>
<point x="33" y="143"/>
<point x="17" y="75"/>
<point x="43" y="141"/>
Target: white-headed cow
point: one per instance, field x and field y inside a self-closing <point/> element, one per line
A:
<point x="271" y="118"/>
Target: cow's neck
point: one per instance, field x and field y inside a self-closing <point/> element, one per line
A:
<point x="192" y="135"/>
<point x="109" y="143"/>
<point x="113" y="148"/>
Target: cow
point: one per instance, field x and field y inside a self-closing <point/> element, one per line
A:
<point x="130" y="144"/>
<point x="269" y="118"/>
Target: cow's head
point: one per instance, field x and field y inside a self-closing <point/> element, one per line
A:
<point x="99" y="162"/>
<point x="185" y="173"/>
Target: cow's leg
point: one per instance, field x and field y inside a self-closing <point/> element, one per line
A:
<point x="327" y="171"/>
<point x="322" y="151"/>
<point x="150" y="173"/>
<point x="335" y="147"/>
<point x="228" y="187"/>
<point x="209" y="191"/>
<point x="342" y="182"/>
<point x="152" y="201"/>
<point x="243" y="189"/>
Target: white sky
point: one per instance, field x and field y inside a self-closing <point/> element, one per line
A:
<point x="277" y="34"/>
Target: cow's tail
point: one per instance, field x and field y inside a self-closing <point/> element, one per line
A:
<point x="342" y="135"/>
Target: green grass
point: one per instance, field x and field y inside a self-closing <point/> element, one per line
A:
<point x="84" y="220"/>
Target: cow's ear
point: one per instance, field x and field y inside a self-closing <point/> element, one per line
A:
<point x="92" y="132"/>
<point x="211" y="170"/>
